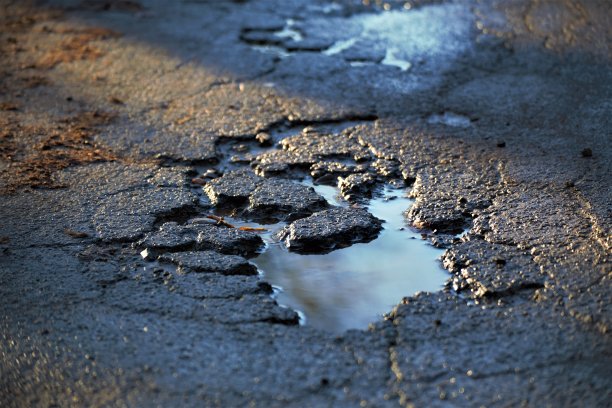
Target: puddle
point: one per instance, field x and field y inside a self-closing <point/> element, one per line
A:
<point x="331" y="194"/>
<point x="352" y="287"/>
<point x="450" y="119"/>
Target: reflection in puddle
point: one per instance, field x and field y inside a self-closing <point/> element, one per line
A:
<point x="352" y="287"/>
<point x="331" y="194"/>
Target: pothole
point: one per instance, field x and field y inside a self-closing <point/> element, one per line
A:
<point x="339" y="272"/>
<point x="350" y="288"/>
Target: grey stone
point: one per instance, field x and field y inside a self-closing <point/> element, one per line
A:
<point x="272" y="199"/>
<point x="459" y="196"/>
<point x="303" y="150"/>
<point x="216" y="285"/>
<point x="279" y="162"/>
<point x="127" y="215"/>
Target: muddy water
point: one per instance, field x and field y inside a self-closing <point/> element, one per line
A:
<point x="352" y="287"/>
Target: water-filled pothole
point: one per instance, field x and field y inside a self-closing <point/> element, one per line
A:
<point x="351" y="287"/>
<point x="346" y="288"/>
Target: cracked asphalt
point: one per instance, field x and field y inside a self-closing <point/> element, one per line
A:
<point x="124" y="124"/>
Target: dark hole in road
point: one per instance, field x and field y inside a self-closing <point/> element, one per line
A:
<point x="351" y="287"/>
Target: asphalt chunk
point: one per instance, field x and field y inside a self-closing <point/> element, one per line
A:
<point x="172" y="237"/>
<point x="356" y="185"/>
<point x="272" y="198"/>
<point x="284" y="199"/>
<point x="334" y="169"/>
<point x="169" y="237"/>
<point x="232" y="188"/>
<point x="210" y="261"/>
<point x="330" y="229"/>
<point x="229" y="240"/>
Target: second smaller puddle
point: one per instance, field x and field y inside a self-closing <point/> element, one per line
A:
<point x="351" y="287"/>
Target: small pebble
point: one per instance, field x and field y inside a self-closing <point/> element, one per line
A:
<point x="264" y="139"/>
<point x="211" y="173"/>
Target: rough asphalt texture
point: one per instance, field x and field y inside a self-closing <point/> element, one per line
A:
<point x="109" y="110"/>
